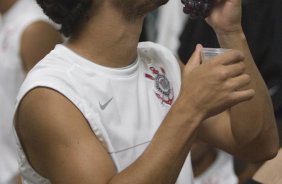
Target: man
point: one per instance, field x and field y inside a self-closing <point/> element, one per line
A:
<point x="26" y="35"/>
<point x="104" y="109"/>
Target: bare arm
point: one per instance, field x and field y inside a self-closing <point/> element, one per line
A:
<point x="19" y="181"/>
<point x="248" y="130"/>
<point x="270" y="171"/>
<point x="37" y="40"/>
<point x="250" y="126"/>
<point x="61" y="146"/>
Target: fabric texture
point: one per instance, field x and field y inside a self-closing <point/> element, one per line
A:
<point x="220" y="172"/>
<point x="170" y="23"/>
<point x="123" y="106"/>
<point x="12" y="25"/>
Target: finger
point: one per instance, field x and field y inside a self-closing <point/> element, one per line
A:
<point x="229" y="57"/>
<point x="225" y="72"/>
<point x="239" y="82"/>
<point x="195" y="59"/>
<point x="242" y="96"/>
<point x="236" y="69"/>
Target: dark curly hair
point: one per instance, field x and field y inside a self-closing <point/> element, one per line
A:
<point x="70" y="14"/>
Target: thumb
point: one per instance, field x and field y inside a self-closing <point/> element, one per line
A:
<point x="195" y="59"/>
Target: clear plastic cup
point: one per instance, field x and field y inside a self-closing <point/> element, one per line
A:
<point x="208" y="53"/>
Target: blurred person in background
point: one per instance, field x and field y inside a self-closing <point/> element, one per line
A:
<point x="26" y="35"/>
<point x="165" y="24"/>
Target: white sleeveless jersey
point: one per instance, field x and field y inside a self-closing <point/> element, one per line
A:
<point x="220" y="172"/>
<point x="12" y="25"/>
<point x="123" y="106"/>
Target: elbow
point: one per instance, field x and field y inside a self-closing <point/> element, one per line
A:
<point x="270" y="153"/>
<point x="259" y="156"/>
<point x="269" y="144"/>
<point x="262" y="148"/>
<point x="266" y="144"/>
<point x="263" y="152"/>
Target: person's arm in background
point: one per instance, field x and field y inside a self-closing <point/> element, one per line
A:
<point x="248" y="130"/>
<point x="19" y="181"/>
<point x="37" y="40"/>
<point x="270" y="171"/>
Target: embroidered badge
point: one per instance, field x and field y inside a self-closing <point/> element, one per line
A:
<point x="163" y="90"/>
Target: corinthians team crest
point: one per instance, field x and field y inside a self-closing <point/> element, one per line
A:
<point x="163" y="90"/>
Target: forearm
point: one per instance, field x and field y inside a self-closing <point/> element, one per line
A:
<point x="270" y="171"/>
<point x="163" y="159"/>
<point x="253" y="123"/>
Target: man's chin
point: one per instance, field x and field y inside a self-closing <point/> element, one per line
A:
<point x="161" y="2"/>
<point x="133" y="9"/>
<point x="157" y="3"/>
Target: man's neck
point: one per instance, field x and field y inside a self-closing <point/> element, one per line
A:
<point x="5" y="5"/>
<point x="109" y="39"/>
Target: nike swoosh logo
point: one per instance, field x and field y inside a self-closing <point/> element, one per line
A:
<point x="103" y="106"/>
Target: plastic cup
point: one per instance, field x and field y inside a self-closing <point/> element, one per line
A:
<point x="208" y="53"/>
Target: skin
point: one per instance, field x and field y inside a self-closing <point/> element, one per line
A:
<point x="133" y="11"/>
<point x="5" y="5"/>
<point x="232" y="112"/>
<point x="270" y="171"/>
<point x="202" y="156"/>
<point x="37" y="40"/>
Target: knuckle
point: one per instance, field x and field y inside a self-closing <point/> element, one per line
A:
<point x="240" y="55"/>
<point x="231" y="98"/>
<point x="247" y="78"/>
<point x="229" y="85"/>
<point x="223" y="74"/>
<point x="242" y="66"/>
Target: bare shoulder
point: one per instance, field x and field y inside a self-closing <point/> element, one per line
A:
<point x="43" y="119"/>
<point x="57" y="138"/>
<point x="41" y="30"/>
<point x="38" y="39"/>
<point x="41" y="105"/>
